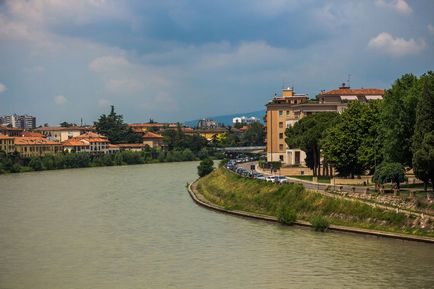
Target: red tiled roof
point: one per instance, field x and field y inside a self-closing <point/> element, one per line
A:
<point x="151" y="135"/>
<point x="75" y="142"/>
<point x="32" y="134"/>
<point x="2" y="136"/>
<point x="2" y="127"/>
<point x="34" y="141"/>
<point x="358" y="91"/>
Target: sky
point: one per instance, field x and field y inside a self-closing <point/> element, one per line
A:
<point x="177" y="60"/>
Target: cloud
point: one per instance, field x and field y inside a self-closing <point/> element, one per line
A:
<point x="60" y="99"/>
<point x="396" y="46"/>
<point x="430" y="28"/>
<point x="398" y="5"/>
<point x="3" y="88"/>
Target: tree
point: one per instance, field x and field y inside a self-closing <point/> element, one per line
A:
<point x="307" y="133"/>
<point x="423" y="160"/>
<point x="66" y="124"/>
<point x="115" y="129"/>
<point x="177" y="139"/>
<point x="254" y="135"/>
<point x="346" y="144"/>
<point x="205" y="167"/>
<point x="389" y="172"/>
<point x="398" y="119"/>
<point x="424" y="110"/>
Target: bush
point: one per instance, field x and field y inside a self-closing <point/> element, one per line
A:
<point x="319" y="223"/>
<point x="286" y="216"/>
<point x="205" y="167"/>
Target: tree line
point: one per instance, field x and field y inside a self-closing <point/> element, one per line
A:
<point x="391" y="134"/>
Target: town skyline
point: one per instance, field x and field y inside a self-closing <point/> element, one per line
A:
<point x="186" y="60"/>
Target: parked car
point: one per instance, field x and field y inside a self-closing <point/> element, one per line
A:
<point x="260" y="177"/>
<point x="281" y="180"/>
<point x="270" y="178"/>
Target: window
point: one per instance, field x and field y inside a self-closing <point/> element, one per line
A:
<point x="281" y="158"/>
<point x="281" y="147"/>
<point x="287" y="112"/>
<point x="280" y="112"/>
<point x="281" y="135"/>
<point x="280" y="124"/>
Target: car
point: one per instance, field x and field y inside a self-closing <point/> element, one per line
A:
<point x="260" y="177"/>
<point x="281" y="180"/>
<point x="270" y="178"/>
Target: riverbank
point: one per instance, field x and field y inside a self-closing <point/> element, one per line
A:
<point x="229" y="192"/>
<point x="14" y="163"/>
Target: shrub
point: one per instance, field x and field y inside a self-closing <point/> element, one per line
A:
<point x="286" y="216"/>
<point x="319" y="223"/>
<point x="205" y="167"/>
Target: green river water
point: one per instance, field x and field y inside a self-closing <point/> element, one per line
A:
<point x="136" y="227"/>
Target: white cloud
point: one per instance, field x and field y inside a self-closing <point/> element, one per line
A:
<point x="430" y="28"/>
<point x="60" y="99"/>
<point x="396" y="46"/>
<point x="398" y="5"/>
<point x="2" y="88"/>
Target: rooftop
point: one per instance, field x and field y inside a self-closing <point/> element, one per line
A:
<point x="34" y="141"/>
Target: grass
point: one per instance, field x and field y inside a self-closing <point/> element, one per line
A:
<point x="231" y="191"/>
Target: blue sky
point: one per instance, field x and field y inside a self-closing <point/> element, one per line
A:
<point x="176" y="60"/>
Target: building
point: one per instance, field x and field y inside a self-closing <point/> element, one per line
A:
<point x="36" y="146"/>
<point x="285" y="110"/>
<point x="210" y="134"/>
<point x="206" y="124"/>
<point x="11" y="131"/>
<point x="133" y="147"/>
<point x="153" y="140"/>
<point x="59" y="133"/>
<point x="244" y="120"/>
<point x="142" y="128"/>
<point x="7" y="143"/>
<point x="88" y="142"/>
<point x="19" y="121"/>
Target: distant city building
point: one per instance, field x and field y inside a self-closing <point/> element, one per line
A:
<point x="60" y="133"/>
<point x="87" y="142"/>
<point x="206" y="124"/>
<point x="285" y="110"/>
<point x="18" y="121"/>
<point x="244" y="120"/>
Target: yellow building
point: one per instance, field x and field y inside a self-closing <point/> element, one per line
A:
<point x="36" y="146"/>
<point x="210" y="134"/>
<point x="153" y="140"/>
<point x="7" y="143"/>
<point x="285" y="110"/>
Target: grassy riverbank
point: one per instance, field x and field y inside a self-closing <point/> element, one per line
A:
<point x="229" y="190"/>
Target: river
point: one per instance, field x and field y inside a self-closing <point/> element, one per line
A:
<point x="136" y="227"/>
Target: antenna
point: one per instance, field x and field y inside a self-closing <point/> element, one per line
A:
<point x="349" y="80"/>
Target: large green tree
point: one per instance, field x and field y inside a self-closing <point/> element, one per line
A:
<point x="114" y="128"/>
<point x="347" y="145"/>
<point x="423" y="138"/>
<point x="177" y="139"/>
<point x="423" y="160"/>
<point x="398" y="119"/>
<point x="307" y="133"/>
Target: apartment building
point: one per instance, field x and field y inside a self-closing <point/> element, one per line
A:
<point x="87" y="142"/>
<point x="285" y="110"/>
<point x="7" y="143"/>
<point x="36" y="146"/>
<point x="18" y="121"/>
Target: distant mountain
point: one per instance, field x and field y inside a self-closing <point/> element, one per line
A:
<point x="227" y="118"/>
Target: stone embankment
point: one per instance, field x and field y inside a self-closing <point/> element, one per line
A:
<point x="199" y="199"/>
